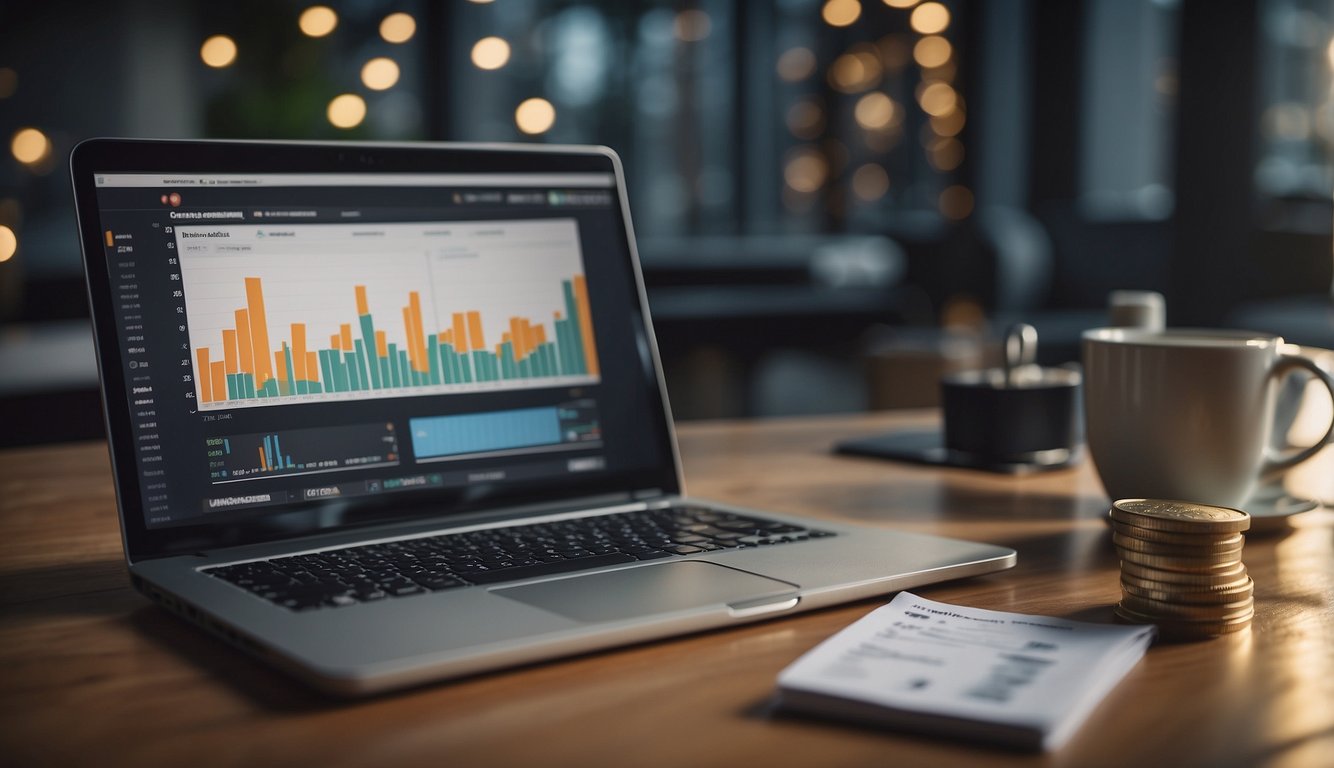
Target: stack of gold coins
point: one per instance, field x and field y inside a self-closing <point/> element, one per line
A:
<point x="1181" y="567"/>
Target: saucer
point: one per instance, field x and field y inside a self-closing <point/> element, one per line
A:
<point x="1272" y="508"/>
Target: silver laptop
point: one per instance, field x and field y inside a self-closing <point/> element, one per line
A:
<point x="388" y="414"/>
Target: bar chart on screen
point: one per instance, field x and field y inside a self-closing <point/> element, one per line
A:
<point x="310" y="313"/>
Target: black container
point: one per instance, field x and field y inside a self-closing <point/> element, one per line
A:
<point x="1030" y="416"/>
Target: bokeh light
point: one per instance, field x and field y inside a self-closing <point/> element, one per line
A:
<point x="930" y="18"/>
<point x="805" y="119"/>
<point x="805" y="170"/>
<point x="398" y="28"/>
<point x="946" y="154"/>
<point x="347" y="110"/>
<point x="218" y="51"/>
<point x="870" y="182"/>
<point x="317" y="21"/>
<point x="901" y="3"/>
<point x="490" y="53"/>
<point x="931" y="51"/>
<point x="841" y="13"/>
<point x="692" y="25"/>
<point x="949" y="124"/>
<point x="380" y="73"/>
<point x="30" y="146"/>
<point x="535" y="116"/>
<point x="9" y="243"/>
<point x="796" y="64"/>
<point x="938" y="99"/>
<point x="956" y="202"/>
<point x="874" y="111"/>
<point x="856" y="71"/>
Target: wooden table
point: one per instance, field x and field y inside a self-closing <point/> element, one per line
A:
<point x="90" y="673"/>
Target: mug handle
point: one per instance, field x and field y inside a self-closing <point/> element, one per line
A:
<point x="1288" y="362"/>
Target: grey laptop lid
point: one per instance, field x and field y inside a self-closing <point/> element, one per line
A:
<point x="306" y="338"/>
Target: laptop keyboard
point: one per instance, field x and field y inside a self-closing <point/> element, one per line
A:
<point x="341" y="577"/>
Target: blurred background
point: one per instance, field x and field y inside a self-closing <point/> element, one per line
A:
<point x="836" y="200"/>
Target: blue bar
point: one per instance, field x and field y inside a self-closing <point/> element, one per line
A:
<point x="277" y="449"/>
<point x="480" y="432"/>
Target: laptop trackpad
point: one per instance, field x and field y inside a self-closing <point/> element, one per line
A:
<point x="649" y="590"/>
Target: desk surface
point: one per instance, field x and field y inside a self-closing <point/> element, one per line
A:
<point x="93" y="673"/>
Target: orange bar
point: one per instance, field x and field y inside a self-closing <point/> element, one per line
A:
<point x="529" y="337"/>
<point x="259" y="330"/>
<point x="229" y="350"/>
<point x="336" y="342"/>
<point x="363" y="307"/>
<point x="540" y="335"/>
<point x="345" y="330"/>
<point x="459" y="337"/>
<point x="299" y="352"/>
<point x="423" y="362"/>
<point x="381" y="346"/>
<point x="585" y="324"/>
<point x="111" y="239"/>
<point x="219" y="376"/>
<point x="445" y="337"/>
<point x="280" y="364"/>
<point x="412" y="339"/>
<point x="246" y="359"/>
<point x="475" y="330"/>
<point x="517" y="338"/>
<point x="263" y="462"/>
<point x="312" y="367"/>
<point x="202" y="371"/>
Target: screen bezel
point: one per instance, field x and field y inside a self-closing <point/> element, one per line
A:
<point x="204" y="157"/>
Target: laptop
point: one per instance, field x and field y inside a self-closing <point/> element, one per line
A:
<point x="384" y="414"/>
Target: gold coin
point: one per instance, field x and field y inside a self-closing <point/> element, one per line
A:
<point x="1186" y="629"/>
<point x="1190" y="612"/>
<point x="1179" y="516"/>
<point x="1223" y="576"/>
<point x="1188" y="593"/>
<point x="1170" y="550"/>
<point x="1204" y="564"/>
<point x="1210" y="540"/>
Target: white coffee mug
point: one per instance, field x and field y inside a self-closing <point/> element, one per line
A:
<point x="1187" y="414"/>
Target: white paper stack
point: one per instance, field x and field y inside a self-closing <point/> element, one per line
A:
<point x="1006" y="678"/>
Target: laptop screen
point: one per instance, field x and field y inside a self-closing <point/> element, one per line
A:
<point x="321" y="349"/>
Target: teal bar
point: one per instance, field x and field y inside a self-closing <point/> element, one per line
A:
<point x="315" y="388"/>
<point x="405" y="369"/>
<point x="524" y="369"/>
<point x="370" y="350"/>
<point x="433" y="354"/>
<point x="287" y="357"/>
<point x="391" y="360"/>
<point x="447" y="363"/>
<point x="507" y="367"/>
<point x="563" y="340"/>
<point x="573" y="333"/>
<point x="231" y="386"/>
<point x="245" y="384"/>
<point x="350" y="366"/>
<point x="549" y="360"/>
<point x="383" y="365"/>
<point x="327" y="368"/>
<point x="362" y="375"/>
<point x="467" y="369"/>
<point x="340" y="378"/>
